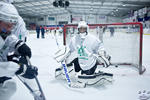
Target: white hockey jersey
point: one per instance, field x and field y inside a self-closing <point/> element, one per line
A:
<point x="7" y="68"/>
<point x="85" y="47"/>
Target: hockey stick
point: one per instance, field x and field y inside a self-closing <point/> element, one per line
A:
<point x="71" y="84"/>
<point x="66" y="74"/>
<point x="29" y="88"/>
<point x="37" y="81"/>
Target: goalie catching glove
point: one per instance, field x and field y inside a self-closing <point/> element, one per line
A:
<point x="103" y="58"/>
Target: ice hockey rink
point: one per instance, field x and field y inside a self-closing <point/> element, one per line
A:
<point x="127" y="84"/>
<point x="128" y="18"/>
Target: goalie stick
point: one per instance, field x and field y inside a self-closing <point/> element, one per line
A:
<point x="30" y="89"/>
<point x="66" y="74"/>
<point x="71" y="84"/>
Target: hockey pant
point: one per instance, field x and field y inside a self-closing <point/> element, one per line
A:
<point x="7" y="89"/>
<point x="78" y="68"/>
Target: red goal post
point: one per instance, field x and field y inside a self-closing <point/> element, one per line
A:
<point x="129" y="35"/>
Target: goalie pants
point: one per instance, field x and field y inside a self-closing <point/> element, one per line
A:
<point x="78" y="68"/>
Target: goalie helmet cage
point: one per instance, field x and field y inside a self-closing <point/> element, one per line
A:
<point x="124" y="45"/>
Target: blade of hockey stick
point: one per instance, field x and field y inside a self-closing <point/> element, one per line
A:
<point x="36" y="79"/>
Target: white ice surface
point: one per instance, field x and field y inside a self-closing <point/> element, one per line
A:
<point x="123" y="88"/>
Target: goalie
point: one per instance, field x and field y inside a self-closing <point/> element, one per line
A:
<point x="84" y="52"/>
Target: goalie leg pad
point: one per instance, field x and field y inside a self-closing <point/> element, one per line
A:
<point x="97" y="78"/>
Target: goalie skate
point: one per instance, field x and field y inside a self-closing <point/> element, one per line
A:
<point x="97" y="78"/>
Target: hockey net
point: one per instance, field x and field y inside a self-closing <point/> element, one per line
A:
<point x="124" y="45"/>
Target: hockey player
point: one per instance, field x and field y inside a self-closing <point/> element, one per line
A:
<point x="9" y="63"/>
<point x="111" y="31"/>
<point x="87" y="51"/>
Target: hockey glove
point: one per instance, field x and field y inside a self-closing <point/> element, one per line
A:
<point x="104" y="58"/>
<point x="27" y="71"/>
<point x="24" y="50"/>
<point x="17" y="59"/>
<point x="101" y="57"/>
<point x="13" y="57"/>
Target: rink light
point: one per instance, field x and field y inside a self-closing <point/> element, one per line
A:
<point x="124" y="5"/>
<point x="61" y="3"/>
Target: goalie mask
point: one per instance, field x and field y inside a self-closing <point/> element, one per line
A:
<point x="8" y="18"/>
<point x="82" y="29"/>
